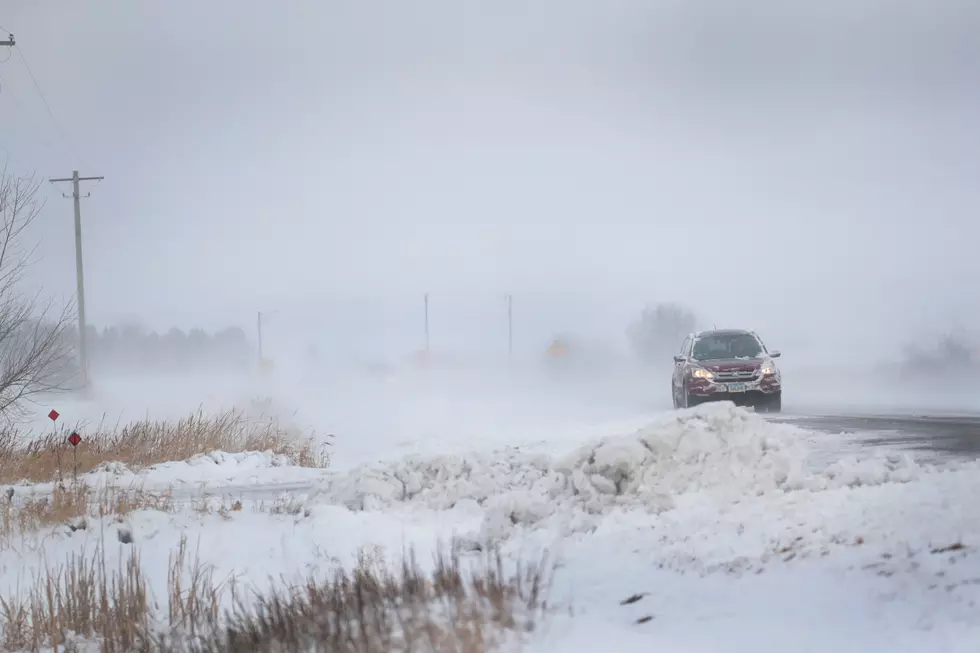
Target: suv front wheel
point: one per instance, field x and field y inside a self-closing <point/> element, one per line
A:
<point x="685" y="400"/>
<point x="772" y="403"/>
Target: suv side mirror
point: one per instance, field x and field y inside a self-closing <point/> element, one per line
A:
<point x="776" y="353"/>
<point x="679" y="358"/>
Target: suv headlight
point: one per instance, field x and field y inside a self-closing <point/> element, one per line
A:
<point x="768" y="369"/>
<point x="700" y="373"/>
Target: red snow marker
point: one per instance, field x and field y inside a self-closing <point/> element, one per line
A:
<point x="74" y="439"/>
<point x="54" y="415"/>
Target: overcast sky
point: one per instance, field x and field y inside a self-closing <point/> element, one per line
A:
<point x="771" y="163"/>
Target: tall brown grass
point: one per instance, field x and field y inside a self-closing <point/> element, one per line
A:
<point x="372" y="609"/>
<point x="144" y="443"/>
<point x="71" y="505"/>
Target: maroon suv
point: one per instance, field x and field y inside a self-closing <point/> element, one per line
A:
<point x="729" y="364"/>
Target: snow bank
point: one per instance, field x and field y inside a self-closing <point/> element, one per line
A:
<point x="717" y="451"/>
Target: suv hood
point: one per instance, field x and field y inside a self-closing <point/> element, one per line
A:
<point x="733" y="364"/>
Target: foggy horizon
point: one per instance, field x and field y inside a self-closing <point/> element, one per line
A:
<point x="771" y="166"/>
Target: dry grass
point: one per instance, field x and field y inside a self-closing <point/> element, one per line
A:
<point x="84" y="598"/>
<point x="34" y="512"/>
<point x="144" y="443"/>
<point x="72" y="505"/>
<point x="371" y="610"/>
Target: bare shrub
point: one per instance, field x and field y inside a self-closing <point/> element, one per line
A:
<point x="286" y="505"/>
<point x="116" y="501"/>
<point x="369" y="610"/>
<point x="146" y="442"/>
<point x="35" y="347"/>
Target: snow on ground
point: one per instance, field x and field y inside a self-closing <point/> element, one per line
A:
<point x="263" y="472"/>
<point x="718" y="518"/>
<point x="718" y="453"/>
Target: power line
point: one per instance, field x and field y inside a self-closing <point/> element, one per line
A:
<point x="67" y="142"/>
<point x="47" y="106"/>
<point x="6" y="91"/>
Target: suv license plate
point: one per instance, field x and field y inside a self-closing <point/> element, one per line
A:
<point x="736" y="387"/>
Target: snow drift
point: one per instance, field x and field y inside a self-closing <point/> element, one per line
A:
<point x="718" y="452"/>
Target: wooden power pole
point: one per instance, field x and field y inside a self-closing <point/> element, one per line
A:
<point x="426" y="324"/>
<point x="79" y="274"/>
<point x="510" y="327"/>
<point x="259" y="325"/>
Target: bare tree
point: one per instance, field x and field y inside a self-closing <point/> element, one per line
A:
<point x="659" y="332"/>
<point x="952" y="353"/>
<point x="35" y="337"/>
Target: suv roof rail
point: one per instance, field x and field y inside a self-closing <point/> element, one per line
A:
<point x="732" y="329"/>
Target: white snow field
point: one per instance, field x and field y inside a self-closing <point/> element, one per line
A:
<point x="729" y="532"/>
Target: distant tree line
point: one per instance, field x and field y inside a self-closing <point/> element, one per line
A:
<point x="950" y="354"/>
<point x="659" y="331"/>
<point x="133" y="348"/>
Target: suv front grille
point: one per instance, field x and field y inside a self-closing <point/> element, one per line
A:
<point x="747" y="375"/>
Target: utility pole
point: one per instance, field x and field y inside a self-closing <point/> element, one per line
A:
<point x="79" y="275"/>
<point x="427" y="325"/>
<point x="510" y="327"/>
<point x="260" y="339"/>
<point x="265" y="366"/>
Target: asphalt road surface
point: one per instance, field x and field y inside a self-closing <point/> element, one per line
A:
<point x="936" y="437"/>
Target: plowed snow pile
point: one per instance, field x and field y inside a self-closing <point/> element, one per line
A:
<point x="714" y="451"/>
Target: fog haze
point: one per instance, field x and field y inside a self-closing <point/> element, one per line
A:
<point x="808" y="170"/>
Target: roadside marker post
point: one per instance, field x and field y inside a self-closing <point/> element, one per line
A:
<point x="74" y="439"/>
<point x="53" y="416"/>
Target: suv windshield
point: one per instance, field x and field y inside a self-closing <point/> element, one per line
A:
<point x="727" y="345"/>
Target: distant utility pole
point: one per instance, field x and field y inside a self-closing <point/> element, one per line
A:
<point x="79" y="276"/>
<point x="260" y="338"/>
<point x="426" y="324"/>
<point x="510" y="326"/>
<point x="260" y="316"/>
